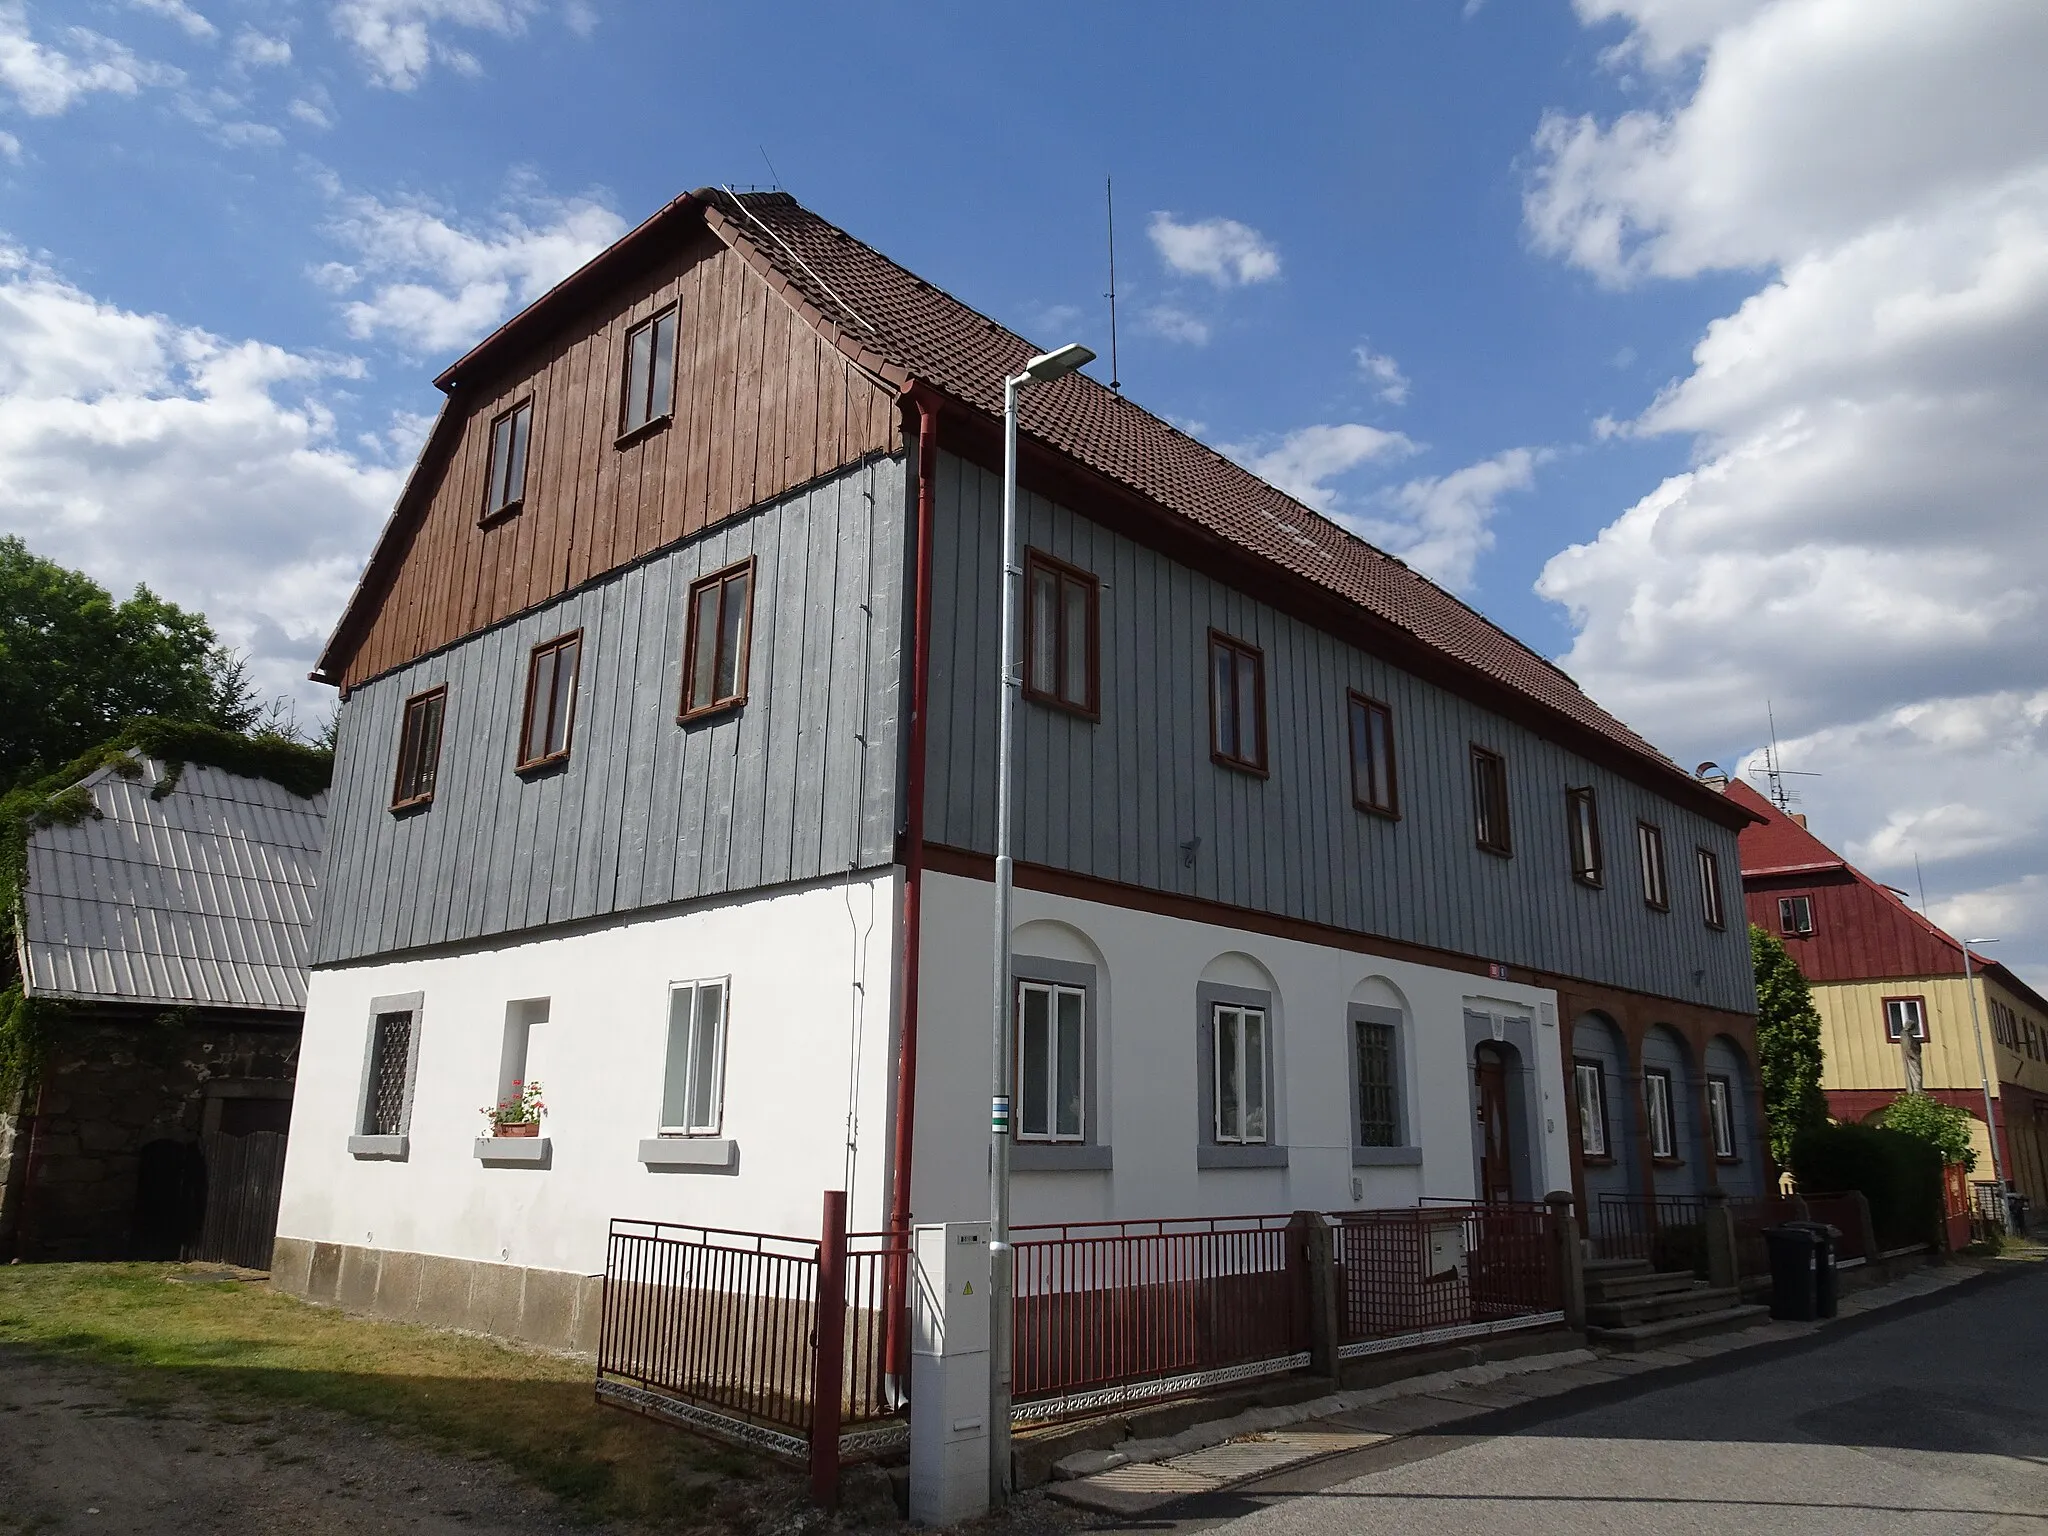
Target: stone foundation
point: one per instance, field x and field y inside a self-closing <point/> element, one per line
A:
<point x="548" y="1307"/>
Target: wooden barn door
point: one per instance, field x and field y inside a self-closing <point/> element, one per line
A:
<point x="244" y="1179"/>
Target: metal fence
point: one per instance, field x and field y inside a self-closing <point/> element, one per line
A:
<point x="1441" y="1271"/>
<point x="1666" y="1231"/>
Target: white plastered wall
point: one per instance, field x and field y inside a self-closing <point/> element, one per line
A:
<point x="1147" y="1095"/>
<point x="792" y="1066"/>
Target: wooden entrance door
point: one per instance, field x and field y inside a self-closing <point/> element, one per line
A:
<point x="1496" y="1170"/>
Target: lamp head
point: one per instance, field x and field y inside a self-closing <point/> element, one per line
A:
<point x="1061" y="360"/>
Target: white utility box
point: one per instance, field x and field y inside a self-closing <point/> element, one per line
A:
<point x="949" y="1382"/>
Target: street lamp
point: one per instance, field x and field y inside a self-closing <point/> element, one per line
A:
<point x="1983" y="1069"/>
<point x="1041" y="369"/>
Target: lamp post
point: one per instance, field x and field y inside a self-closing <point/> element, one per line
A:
<point x="1046" y="366"/>
<point x="1983" y="1068"/>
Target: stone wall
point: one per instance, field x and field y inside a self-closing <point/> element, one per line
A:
<point x="112" y="1085"/>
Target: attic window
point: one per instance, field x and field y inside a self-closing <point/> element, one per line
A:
<point x="650" y="373"/>
<point x="1795" y="915"/>
<point x="506" y="480"/>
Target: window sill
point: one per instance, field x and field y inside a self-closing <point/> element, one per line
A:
<point x="1667" y="1162"/>
<point x="392" y="1148"/>
<point x="1064" y="706"/>
<point x="411" y="807"/>
<point x="1236" y="765"/>
<point x="492" y="519"/>
<point x="647" y="428"/>
<point x="1589" y="884"/>
<point x="1209" y="1155"/>
<point x="1663" y="910"/>
<point x="1498" y="853"/>
<point x="1057" y="1157"/>
<point x="1383" y="812"/>
<point x="522" y="1151"/>
<point x="1592" y="1160"/>
<point x="1386" y="1157"/>
<point x="1728" y="1161"/>
<point x="704" y="1154"/>
<point x="710" y="711"/>
<point x="541" y="765"/>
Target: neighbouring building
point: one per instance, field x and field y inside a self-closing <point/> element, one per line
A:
<point x="1895" y="1009"/>
<point x="665" y="778"/>
<point x="165" y="912"/>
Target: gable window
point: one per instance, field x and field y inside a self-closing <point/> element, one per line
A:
<point x="1237" y="703"/>
<point x="1240" y="1075"/>
<point x="1589" y="1082"/>
<point x="1795" y="915"/>
<point x="505" y="480"/>
<point x="715" y="654"/>
<point x="1905" y="1017"/>
<point x="1052" y="1022"/>
<point x="1490" y="801"/>
<point x="1710" y="888"/>
<point x="419" y="748"/>
<point x="1657" y="1101"/>
<point x="1721" y="1116"/>
<point x="693" y="1079"/>
<point x="1582" y="816"/>
<point x="650" y="372"/>
<point x="1062" y="636"/>
<point x="1379" y="1099"/>
<point x="1650" y="848"/>
<point x="1372" y="756"/>
<point x="544" y="730"/>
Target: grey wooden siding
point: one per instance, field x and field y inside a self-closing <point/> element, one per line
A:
<point x="1119" y="799"/>
<point x="646" y="811"/>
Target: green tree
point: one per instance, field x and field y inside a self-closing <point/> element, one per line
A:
<point x="74" y="664"/>
<point x="1942" y="1126"/>
<point x="1787" y="1044"/>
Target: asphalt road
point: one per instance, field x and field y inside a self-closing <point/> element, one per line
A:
<point x="1931" y="1422"/>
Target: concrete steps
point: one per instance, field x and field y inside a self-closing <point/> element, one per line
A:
<point x="1671" y="1330"/>
<point x="1687" y="1301"/>
<point x="1631" y="1306"/>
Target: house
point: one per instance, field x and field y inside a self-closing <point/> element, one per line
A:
<point x="165" y="910"/>
<point x="1896" y="1012"/>
<point x="665" y="778"/>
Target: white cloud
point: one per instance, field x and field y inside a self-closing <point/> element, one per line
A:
<point x="179" y="14"/>
<point x="1442" y="524"/>
<point x="436" y="286"/>
<point x="1306" y="461"/>
<point x="10" y="148"/>
<point x="45" y="81"/>
<point x="1224" y="251"/>
<point x="1860" y="537"/>
<point x="1389" y="383"/>
<point x="142" y="450"/>
<point x="398" y="41"/>
<point x="1169" y="322"/>
<point x="314" y="110"/>
<point x="253" y="50"/>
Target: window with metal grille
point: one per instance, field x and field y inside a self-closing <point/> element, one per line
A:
<point x="1490" y="801"/>
<point x="1721" y="1112"/>
<point x="715" y="653"/>
<point x="1590" y="1082"/>
<point x="505" y="477"/>
<point x="650" y="372"/>
<point x="1710" y="888"/>
<point x="390" y="1060"/>
<point x="550" y="701"/>
<point x="1240" y="1076"/>
<point x="1582" y="816"/>
<point x="1379" y="1099"/>
<point x="1052" y="1044"/>
<point x="1237" y="703"/>
<point x="693" y="1081"/>
<point x="419" y="749"/>
<point x="1372" y="756"/>
<point x="1062" y="638"/>
<point x="1658" y="1102"/>
<point x="1650" y="851"/>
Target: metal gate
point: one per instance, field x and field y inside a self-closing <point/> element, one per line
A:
<point x="244" y="1178"/>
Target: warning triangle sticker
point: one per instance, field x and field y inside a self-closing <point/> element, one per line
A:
<point x="967" y="1289"/>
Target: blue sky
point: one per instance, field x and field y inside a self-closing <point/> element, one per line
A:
<point x="1583" y="308"/>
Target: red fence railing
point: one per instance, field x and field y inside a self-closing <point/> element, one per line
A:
<point x="1845" y="1214"/>
<point x="1442" y="1266"/>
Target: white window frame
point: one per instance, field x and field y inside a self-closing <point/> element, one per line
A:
<point x="1660" y="1112"/>
<point x="1244" y="1013"/>
<point x="1650" y="857"/>
<point x="715" y="1122"/>
<point x="1712" y="911"/>
<point x="1787" y="905"/>
<point x="1721" y="1117"/>
<point x="1593" y="1126"/>
<point x="1052" y="1135"/>
<point x="1895" y="1025"/>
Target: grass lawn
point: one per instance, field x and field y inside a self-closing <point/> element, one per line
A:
<point x="532" y="1411"/>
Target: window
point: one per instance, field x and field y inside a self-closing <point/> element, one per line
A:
<point x="1379" y="1100"/>
<point x="1905" y="1016"/>
<point x="1589" y="1081"/>
<point x="505" y="481"/>
<point x="1490" y="801"/>
<point x="1372" y="756"/>
<point x="1650" y="849"/>
<point x="1710" y="888"/>
<point x="419" y="748"/>
<point x="390" y="1054"/>
<point x="1052" y="1022"/>
<point x="693" y="1082"/>
<point x="1721" y="1113"/>
<point x="650" y="372"/>
<point x="550" y="701"/>
<point x="715" y="652"/>
<point x="1240" y="1045"/>
<point x="1795" y="915"/>
<point x="1061" y="635"/>
<point x="1657" y="1100"/>
<point x="1237" y="703"/>
<point x="1582" y="815"/>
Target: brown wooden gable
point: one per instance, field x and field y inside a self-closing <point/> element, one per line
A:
<point x="763" y="403"/>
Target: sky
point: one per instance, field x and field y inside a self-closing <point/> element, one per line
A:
<point x="1703" y="344"/>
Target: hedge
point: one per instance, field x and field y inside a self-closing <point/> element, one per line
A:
<point x="1899" y="1175"/>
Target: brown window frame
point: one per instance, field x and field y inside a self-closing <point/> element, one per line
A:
<point x="526" y="764"/>
<point x="1483" y="813"/>
<point x="1239" y="649"/>
<point x="1727" y="1086"/>
<point x="400" y="800"/>
<point x="491" y="513"/>
<point x="1713" y="905"/>
<point x="630" y="430"/>
<point x="1035" y="562"/>
<point x="1592" y="874"/>
<point x="1652" y="866"/>
<point x="1784" y="910"/>
<point x="1919" y="1002"/>
<point x="1361" y="704"/>
<point x="716" y="581"/>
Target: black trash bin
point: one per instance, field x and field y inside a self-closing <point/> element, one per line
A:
<point x="1795" y="1273"/>
<point x="1827" y="1289"/>
<point x="2016" y="1211"/>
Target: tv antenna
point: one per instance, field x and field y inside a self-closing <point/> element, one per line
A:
<point x="1775" y="773"/>
<point x="1109" y="202"/>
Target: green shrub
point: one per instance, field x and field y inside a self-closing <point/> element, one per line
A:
<point x="1899" y="1175"/>
<point x="1942" y="1126"/>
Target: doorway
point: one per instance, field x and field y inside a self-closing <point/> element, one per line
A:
<point x="1496" y="1155"/>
